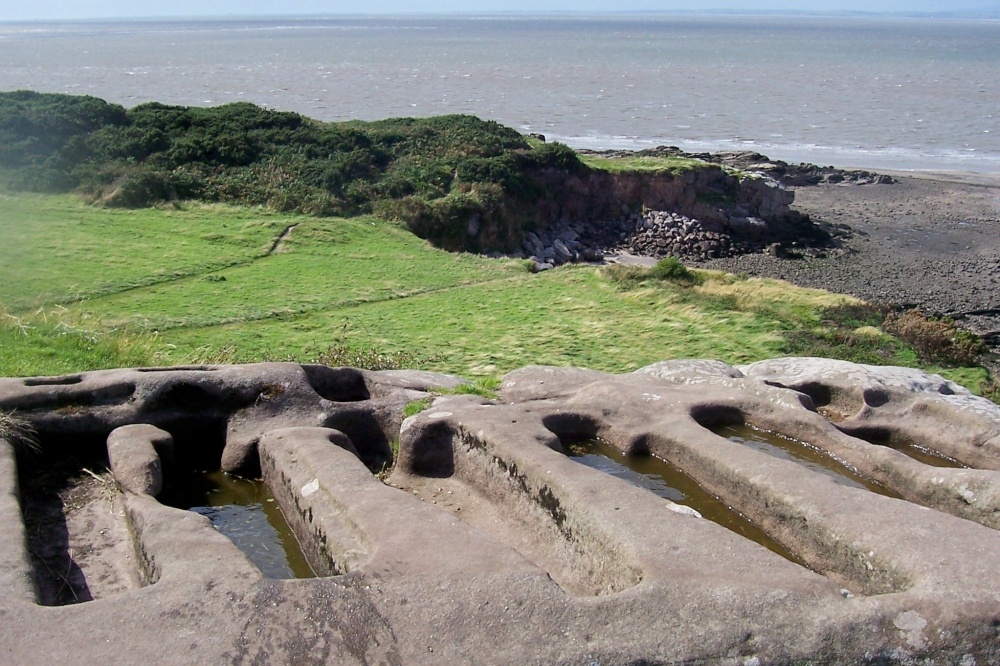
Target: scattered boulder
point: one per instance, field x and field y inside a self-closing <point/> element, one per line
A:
<point x="739" y="204"/>
<point x="697" y="216"/>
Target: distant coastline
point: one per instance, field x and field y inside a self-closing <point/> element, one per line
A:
<point x="877" y="91"/>
<point x="988" y="14"/>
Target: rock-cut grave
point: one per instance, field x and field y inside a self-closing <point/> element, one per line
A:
<point x="794" y="510"/>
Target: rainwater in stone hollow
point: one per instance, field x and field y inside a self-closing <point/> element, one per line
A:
<point x="808" y="456"/>
<point x="665" y="480"/>
<point x="921" y="454"/>
<point x="246" y="512"/>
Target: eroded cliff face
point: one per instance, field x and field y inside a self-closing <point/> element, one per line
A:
<point x="710" y="194"/>
<point x="694" y="214"/>
<point x="583" y="214"/>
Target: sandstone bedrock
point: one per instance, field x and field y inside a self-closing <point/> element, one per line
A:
<point x="469" y="533"/>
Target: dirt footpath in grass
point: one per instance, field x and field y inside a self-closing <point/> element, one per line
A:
<point x="931" y="240"/>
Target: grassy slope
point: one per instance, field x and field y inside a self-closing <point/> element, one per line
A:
<point x="88" y="288"/>
<point x="567" y="317"/>
<point x="642" y="164"/>
<point x="325" y="264"/>
<point x="53" y="250"/>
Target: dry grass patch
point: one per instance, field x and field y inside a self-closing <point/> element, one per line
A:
<point x="936" y="340"/>
<point x="18" y="431"/>
<point x="754" y="292"/>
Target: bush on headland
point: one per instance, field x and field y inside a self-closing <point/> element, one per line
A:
<point x="438" y="175"/>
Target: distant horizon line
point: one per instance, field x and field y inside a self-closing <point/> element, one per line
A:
<point x="982" y="14"/>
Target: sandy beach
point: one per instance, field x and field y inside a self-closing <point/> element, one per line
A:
<point x="931" y="240"/>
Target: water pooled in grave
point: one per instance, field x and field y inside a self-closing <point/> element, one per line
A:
<point x="246" y="512"/>
<point x="665" y="480"/>
<point x="921" y="454"/>
<point x="786" y="448"/>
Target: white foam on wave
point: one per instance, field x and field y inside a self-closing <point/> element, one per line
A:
<point x="884" y="157"/>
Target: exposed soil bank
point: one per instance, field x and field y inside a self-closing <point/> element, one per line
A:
<point x="697" y="213"/>
<point x="929" y="240"/>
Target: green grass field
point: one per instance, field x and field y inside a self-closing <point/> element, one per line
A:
<point x="85" y="288"/>
<point x="642" y="164"/>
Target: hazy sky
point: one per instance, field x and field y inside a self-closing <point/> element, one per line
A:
<point x="68" y="9"/>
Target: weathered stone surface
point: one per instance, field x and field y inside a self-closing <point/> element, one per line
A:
<point x="689" y="370"/>
<point x="15" y="569"/>
<point x="135" y="453"/>
<point x="875" y="400"/>
<point x="491" y="543"/>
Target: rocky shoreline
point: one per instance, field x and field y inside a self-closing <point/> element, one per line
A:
<point x="654" y="234"/>
<point x="905" y="239"/>
<point x="719" y="211"/>
<point x="500" y="534"/>
<point x="927" y="241"/>
<point x="783" y="172"/>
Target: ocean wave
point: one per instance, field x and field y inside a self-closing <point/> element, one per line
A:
<point x="592" y="84"/>
<point x="894" y="157"/>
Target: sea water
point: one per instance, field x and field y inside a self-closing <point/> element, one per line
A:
<point x="876" y="92"/>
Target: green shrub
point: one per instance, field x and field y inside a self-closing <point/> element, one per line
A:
<point x="935" y="340"/>
<point x="139" y="189"/>
<point x="436" y="175"/>
<point x="671" y="269"/>
<point x="444" y="221"/>
<point x="556" y="155"/>
<point x="38" y="129"/>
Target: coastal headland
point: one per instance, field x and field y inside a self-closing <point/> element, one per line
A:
<point x="910" y="239"/>
<point x="782" y="508"/>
